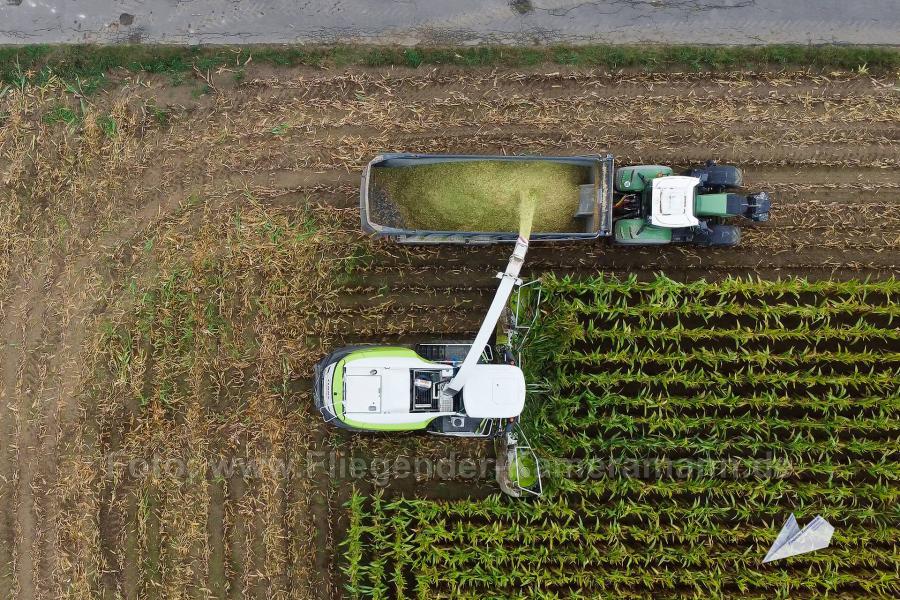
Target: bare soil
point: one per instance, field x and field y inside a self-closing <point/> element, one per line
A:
<point x="153" y="179"/>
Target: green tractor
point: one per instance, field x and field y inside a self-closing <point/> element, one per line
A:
<point x="653" y="206"/>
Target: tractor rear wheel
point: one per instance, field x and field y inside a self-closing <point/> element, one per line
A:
<point x="718" y="178"/>
<point x="719" y="236"/>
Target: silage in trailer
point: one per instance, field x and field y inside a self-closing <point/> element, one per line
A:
<point x="477" y="195"/>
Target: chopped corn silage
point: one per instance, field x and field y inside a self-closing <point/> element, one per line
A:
<point x="483" y="195"/>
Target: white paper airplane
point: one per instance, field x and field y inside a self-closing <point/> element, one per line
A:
<point x="792" y="540"/>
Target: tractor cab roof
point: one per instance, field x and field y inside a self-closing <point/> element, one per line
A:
<point x="672" y="202"/>
<point x="494" y="392"/>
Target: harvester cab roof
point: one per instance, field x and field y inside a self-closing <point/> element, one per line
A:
<point x="494" y="392"/>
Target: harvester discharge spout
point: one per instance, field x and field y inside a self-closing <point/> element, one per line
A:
<point x="509" y="279"/>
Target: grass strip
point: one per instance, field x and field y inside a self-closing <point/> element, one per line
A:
<point x="34" y="63"/>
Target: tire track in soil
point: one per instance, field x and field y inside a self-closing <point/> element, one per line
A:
<point x="278" y="580"/>
<point x="477" y="273"/>
<point x="432" y="270"/>
<point x="399" y="339"/>
<point x="136" y="508"/>
<point x="236" y="531"/>
<point x="24" y="379"/>
<point x="111" y="523"/>
<point x="459" y="299"/>
<point x="61" y="371"/>
<point x="215" y="527"/>
<point x="257" y="579"/>
<point x="662" y="134"/>
<point x="840" y="200"/>
<point x="151" y="567"/>
<point x="118" y="506"/>
<point x="18" y="321"/>
<point x="560" y="83"/>
<point x="323" y="512"/>
<point x="119" y="523"/>
<point x="130" y="579"/>
<point x="743" y="153"/>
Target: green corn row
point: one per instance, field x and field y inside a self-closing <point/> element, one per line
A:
<point x="871" y="377"/>
<point x="814" y="406"/>
<point x="353" y="544"/>
<point x="650" y="313"/>
<point x="716" y="358"/>
<point x="495" y="516"/>
<point x="455" y="552"/>
<point x="794" y="448"/>
<point x="623" y="336"/>
<point x="662" y="290"/>
<point x="746" y="424"/>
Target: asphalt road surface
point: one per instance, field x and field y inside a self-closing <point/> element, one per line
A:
<point x="451" y="21"/>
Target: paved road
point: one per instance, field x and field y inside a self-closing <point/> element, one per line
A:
<point x="451" y="21"/>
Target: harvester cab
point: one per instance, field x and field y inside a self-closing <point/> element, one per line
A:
<point x="464" y="389"/>
<point x="654" y="206"/>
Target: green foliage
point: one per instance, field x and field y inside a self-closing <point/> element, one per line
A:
<point x="160" y="115"/>
<point x="61" y="114"/>
<point x="684" y="422"/>
<point x="352" y="544"/>
<point x="108" y="126"/>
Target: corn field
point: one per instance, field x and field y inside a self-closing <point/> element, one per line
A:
<point x="177" y="252"/>
<point x="684" y="423"/>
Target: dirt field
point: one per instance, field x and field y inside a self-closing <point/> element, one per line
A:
<point x="174" y="258"/>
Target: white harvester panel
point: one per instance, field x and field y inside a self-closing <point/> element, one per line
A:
<point x="362" y="394"/>
<point x="494" y="392"/>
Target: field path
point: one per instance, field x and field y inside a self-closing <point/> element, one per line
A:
<point x="21" y="332"/>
